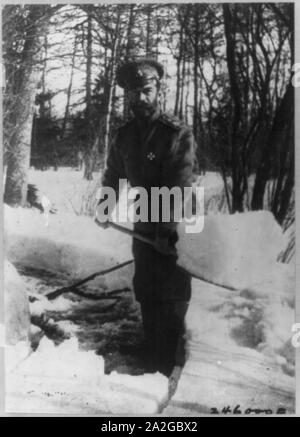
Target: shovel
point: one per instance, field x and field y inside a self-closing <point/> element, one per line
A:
<point x="58" y="292"/>
<point x="54" y="294"/>
<point x="136" y="235"/>
<point x="153" y="244"/>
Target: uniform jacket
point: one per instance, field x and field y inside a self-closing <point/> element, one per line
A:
<point x="163" y="154"/>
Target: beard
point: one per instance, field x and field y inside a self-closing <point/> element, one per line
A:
<point x="143" y="111"/>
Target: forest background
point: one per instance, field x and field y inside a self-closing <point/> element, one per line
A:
<point x="228" y="75"/>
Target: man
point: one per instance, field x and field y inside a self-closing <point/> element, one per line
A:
<point x="154" y="150"/>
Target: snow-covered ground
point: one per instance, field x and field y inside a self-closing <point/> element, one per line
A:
<point x="237" y="341"/>
<point x="66" y="372"/>
<point x="240" y="352"/>
<point x="66" y="188"/>
<point x="64" y="379"/>
<point x="234" y="250"/>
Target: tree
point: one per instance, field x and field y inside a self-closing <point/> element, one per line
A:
<point x="130" y="51"/>
<point x="88" y="154"/>
<point x="277" y="159"/>
<point x="69" y="91"/>
<point x="257" y="48"/>
<point x="230" y="31"/>
<point x="23" y="26"/>
<point x="228" y="70"/>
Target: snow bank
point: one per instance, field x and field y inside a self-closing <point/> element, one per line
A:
<point x="258" y="318"/>
<point x="215" y="198"/>
<point x="239" y="349"/>
<point x="66" y="188"/>
<point x="64" y="378"/>
<point x="237" y="341"/>
<point x="42" y="304"/>
<point x="232" y="250"/>
<point x="63" y="362"/>
<point x="57" y="379"/>
<point x="17" y="316"/>
<point x="70" y="192"/>
<point x="71" y="245"/>
<point x="273" y="302"/>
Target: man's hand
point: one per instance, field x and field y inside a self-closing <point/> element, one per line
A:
<point x="101" y="219"/>
<point x="103" y="225"/>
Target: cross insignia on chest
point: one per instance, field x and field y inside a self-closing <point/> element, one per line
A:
<point x="151" y="156"/>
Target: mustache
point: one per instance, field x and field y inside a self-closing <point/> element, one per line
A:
<point x="142" y="105"/>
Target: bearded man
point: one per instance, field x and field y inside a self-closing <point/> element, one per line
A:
<point x="154" y="150"/>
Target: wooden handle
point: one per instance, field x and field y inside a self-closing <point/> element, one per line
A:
<point x="135" y="235"/>
<point x="128" y="232"/>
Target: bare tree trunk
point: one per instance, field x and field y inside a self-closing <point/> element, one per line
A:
<point x="196" y="60"/>
<point x="237" y="194"/>
<point x="282" y="130"/>
<point x="45" y="66"/>
<point x="18" y="159"/>
<point x="181" y="97"/>
<point x="178" y="78"/>
<point x="69" y="91"/>
<point x="15" y="192"/>
<point x="129" y="50"/>
<point x="148" y="34"/>
<point x="187" y="94"/>
<point x="88" y="169"/>
<point x="111" y="82"/>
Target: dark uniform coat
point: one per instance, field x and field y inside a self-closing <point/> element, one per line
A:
<point x="163" y="154"/>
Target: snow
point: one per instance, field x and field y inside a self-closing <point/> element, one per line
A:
<point x="15" y="354"/>
<point x="71" y="362"/>
<point x="232" y="250"/>
<point x="17" y="314"/>
<point x="69" y="192"/>
<point x="57" y="379"/>
<point x="239" y="353"/>
<point x="76" y="246"/>
<point x="65" y="378"/>
<point x="214" y="198"/>
<point x="237" y="340"/>
<point x="41" y="305"/>
<point x="71" y="245"/>
<point x="66" y="189"/>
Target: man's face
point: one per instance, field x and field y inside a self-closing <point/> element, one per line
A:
<point x="143" y="101"/>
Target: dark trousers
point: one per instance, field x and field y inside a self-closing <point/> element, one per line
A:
<point x="163" y="290"/>
<point x="164" y="329"/>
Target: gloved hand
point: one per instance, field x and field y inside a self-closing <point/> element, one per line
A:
<point x="100" y="218"/>
<point x="103" y="224"/>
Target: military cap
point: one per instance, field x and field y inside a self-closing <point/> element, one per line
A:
<point x="135" y="74"/>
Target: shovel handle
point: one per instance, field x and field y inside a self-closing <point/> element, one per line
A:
<point x="128" y="232"/>
<point x="134" y="235"/>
